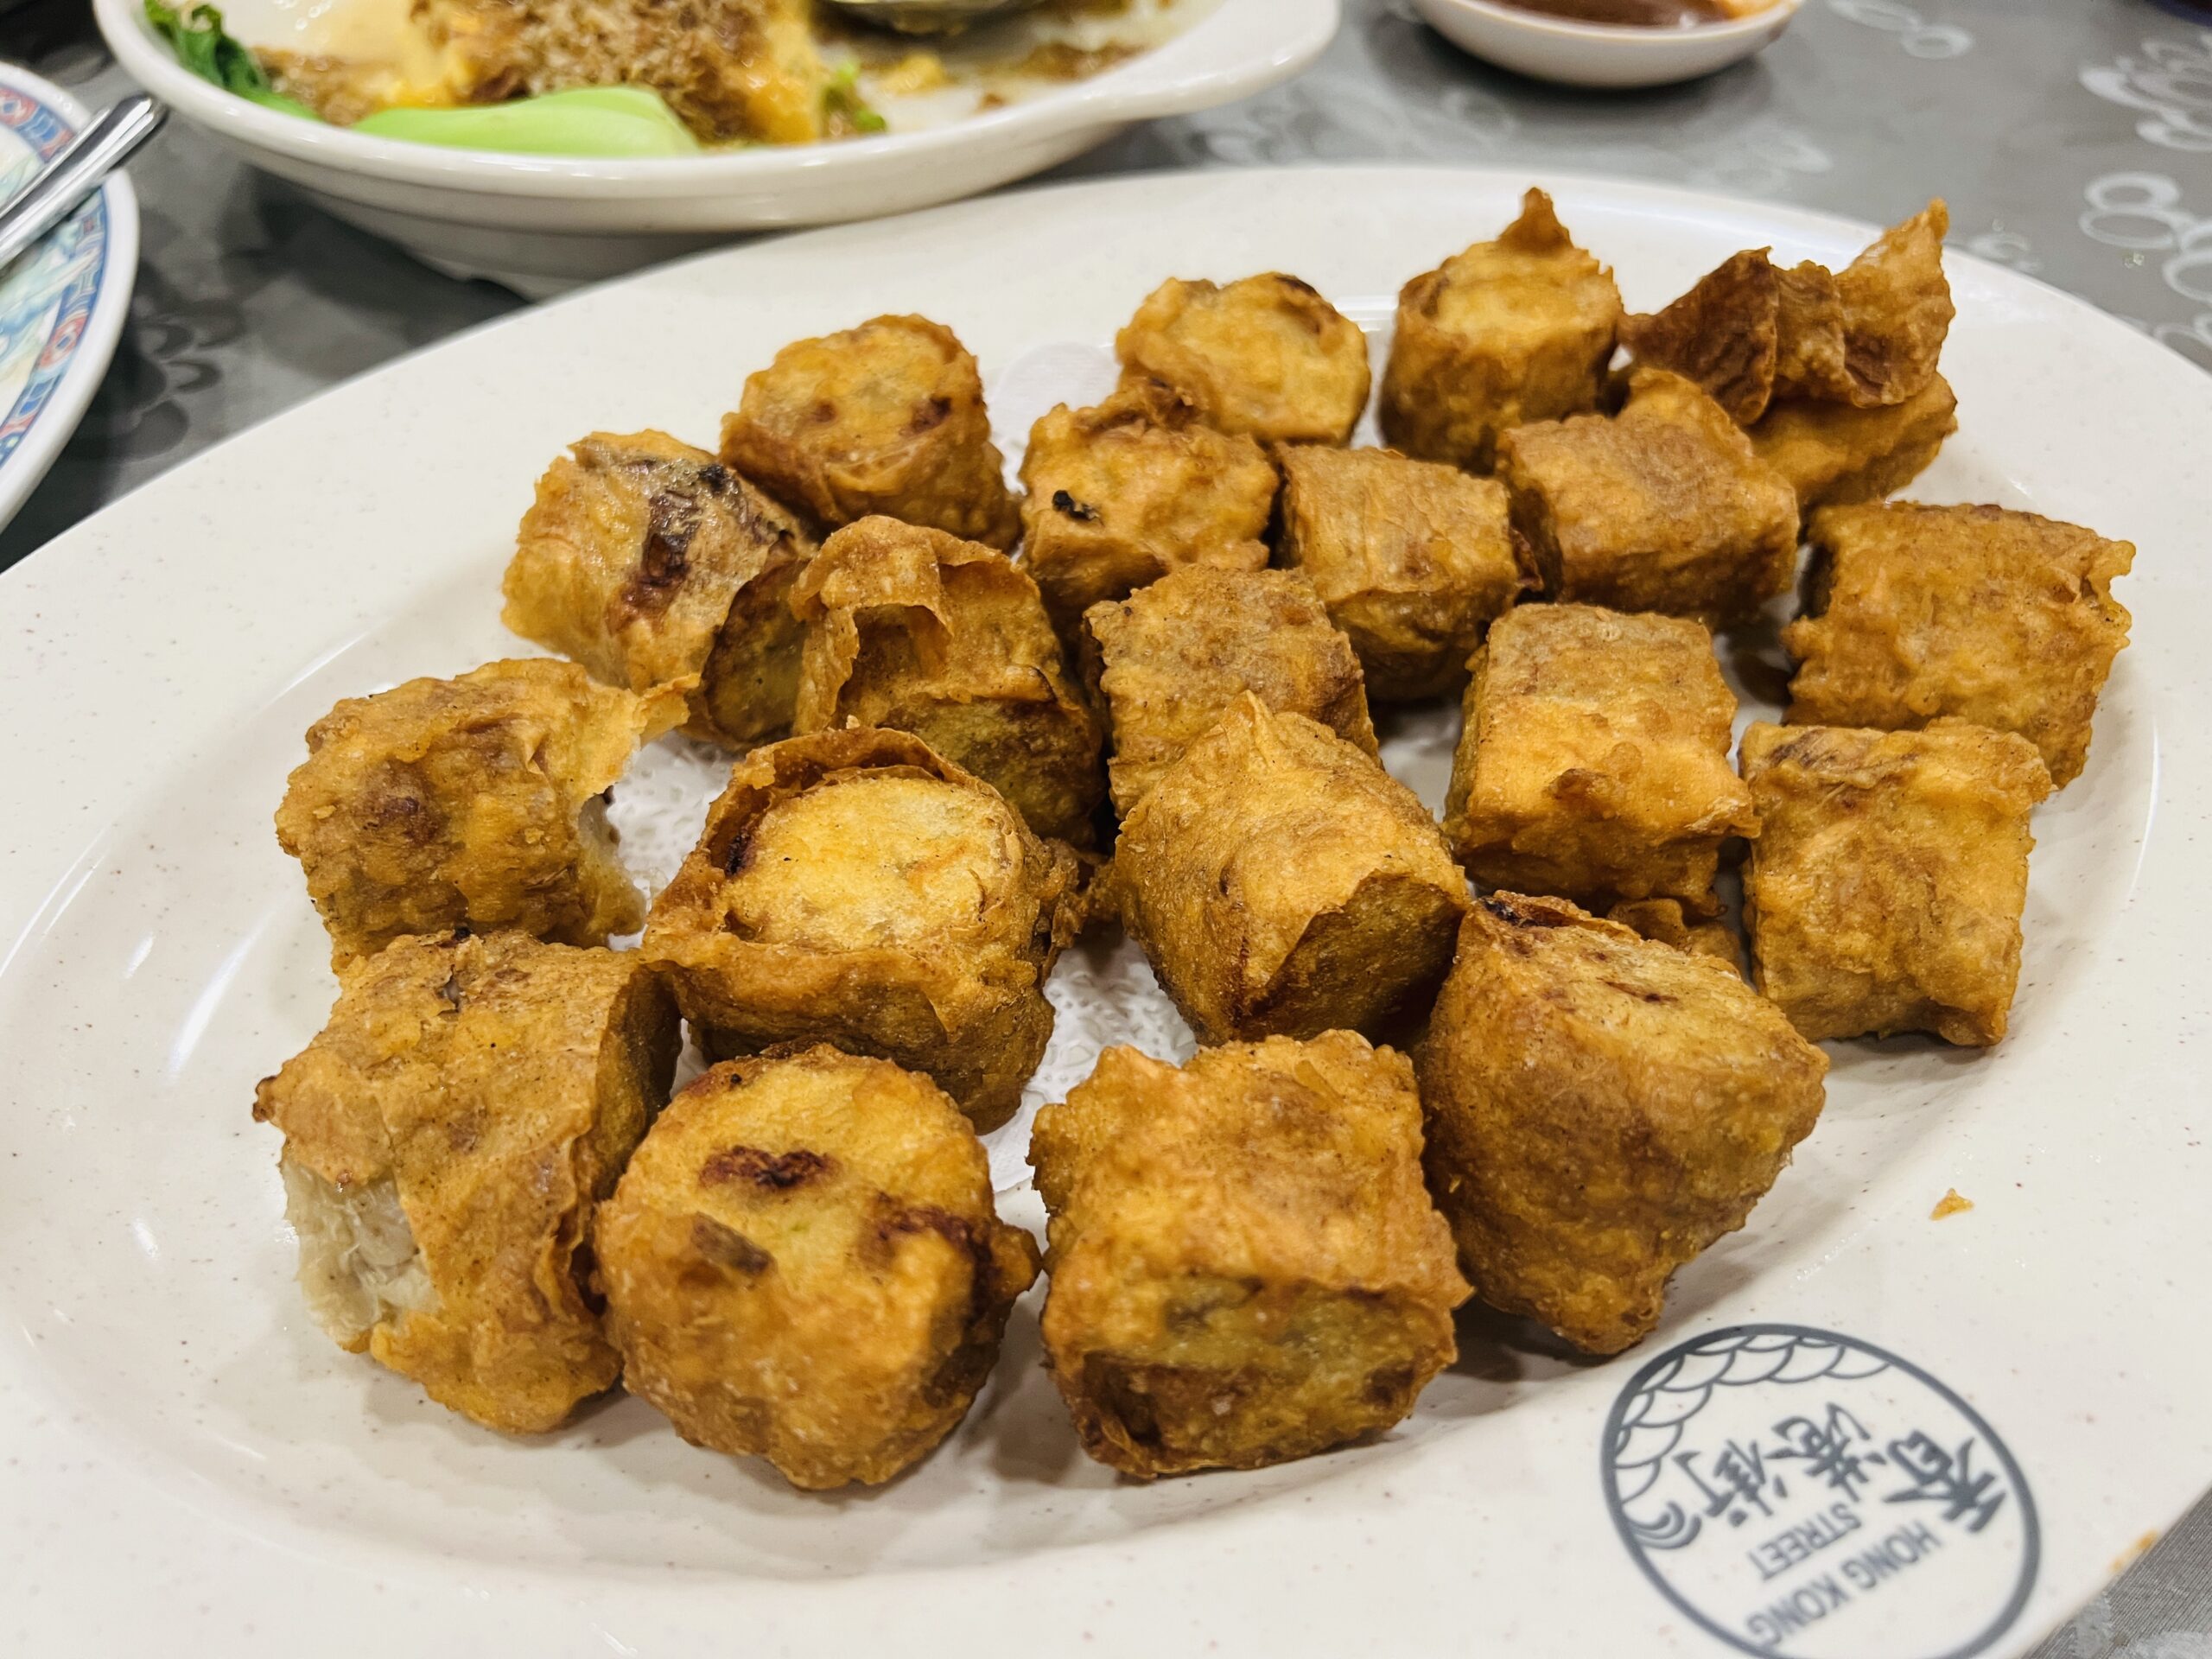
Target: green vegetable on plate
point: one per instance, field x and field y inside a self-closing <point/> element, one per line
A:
<point x="195" y="34"/>
<point x="617" y="121"/>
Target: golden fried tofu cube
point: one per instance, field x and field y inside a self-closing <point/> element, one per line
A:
<point x="1668" y="922"/>
<point x="1413" y="560"/>
<point x="1600" y="1109"/>
<point x="1266" y="358"/>
<point x="1886" y="888"/>
<point x="885" y="419"/>
<point x="1507" y="333"/>
<point x="1169" y="659"/>
<point x="856" y="888"/>
<point x="473" y="801"/>
<point x="731" y="70"/>
<point x="922" y="631"/>
<point x="1121" y="494"/>
<point x="802" y="1263"/>
<point x="2001" y="618"/>
<point x="1594" y="762"/>
<point x="1281" y="883"/>
<point x="1834" y="454"/>
<point x="652" y="564"/>
<point x="1246" y="1267"/>
<point x="447" y="1137"/>
<point x="1664" y="507"/>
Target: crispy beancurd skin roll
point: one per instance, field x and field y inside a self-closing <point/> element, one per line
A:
<point x="1834" y="455"/>
<point x="1245" y="1266"/>
<point x="470" y="802"/>
<point x="885" y="419"/>
<point x="1415" y="560"/>
<point x="1509" y="332"/>
<point x="2001" y="618"/>
<point x="652" y="564"/>
<point x="1866" y="338"/>
<point x="1121" y="495"/>
<point x="1897" y="311"/>
<point x="1169" y="659"/>
<point x="919" y="630"/>
<point x="1593" y="761"/>
<point x="1600" y="1109"/>
<point x="1885" y="891"/>
<point x="1266" y="358"/>
<point x="1725" y="334"/>
<point x="802" y="1263"/>
<point x="446" y="1139"/>
<point x="856" y="888"/>
<point x="1664" y="507"/>
<point x="1281" y="883"/>
<point x="1669" y="922"/>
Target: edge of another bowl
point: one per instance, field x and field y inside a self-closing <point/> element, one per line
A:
<point x="59" y="414"/>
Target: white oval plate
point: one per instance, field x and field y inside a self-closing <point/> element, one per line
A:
<point x="62" y="304"/>
<point x="538" y="222"/>
<point x="188" y="1462"/>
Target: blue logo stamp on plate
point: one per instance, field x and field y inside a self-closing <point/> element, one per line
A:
<point x="1809" y="1495"/>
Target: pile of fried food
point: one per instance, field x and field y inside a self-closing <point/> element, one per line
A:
<point x="1155" y="711"/>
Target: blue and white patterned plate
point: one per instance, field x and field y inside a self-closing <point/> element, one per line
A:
<point x="62" y="304"/>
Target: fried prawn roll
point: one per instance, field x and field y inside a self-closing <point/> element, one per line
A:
<point x="1169" y="659"/>
<point x="1266" y="358"/>
<point x="1245" y="1266"/>
<point x="802" y="1263"/>
<point x="1121" y="494"/>
<point x="1281" y="883"/>
<point x="885" y="419"/>
<point x="1505" y="334"/>
<point x="473" y="802"/>
<point x="1415" y="560"/>
<point x="1886" y="890"/>
<point x="447" y="1137"/>
<point x="1594" y="762"/>
<point x="652" y="564"/>
<point x="856" y="888"/>
<point x="1600" y="1109"/>
<point x="1663" y="507"/>
<point x="2005" y="619"/>
<point x="922" y="631"/>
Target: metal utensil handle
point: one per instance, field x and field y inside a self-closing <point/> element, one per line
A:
<point x="76" y="172"/>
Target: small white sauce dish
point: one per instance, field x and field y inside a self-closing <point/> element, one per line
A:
<point x="1602" y="55"/>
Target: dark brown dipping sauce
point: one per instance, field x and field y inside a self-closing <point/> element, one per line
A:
<point x="1642" y="14"/>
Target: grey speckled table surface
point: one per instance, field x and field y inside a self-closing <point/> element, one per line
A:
<point x="2072" y="138"/>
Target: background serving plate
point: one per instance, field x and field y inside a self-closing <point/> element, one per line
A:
<point x="189" y="1461"/>
<point x="62" y="304"/>
<point x="539" y="223"/>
